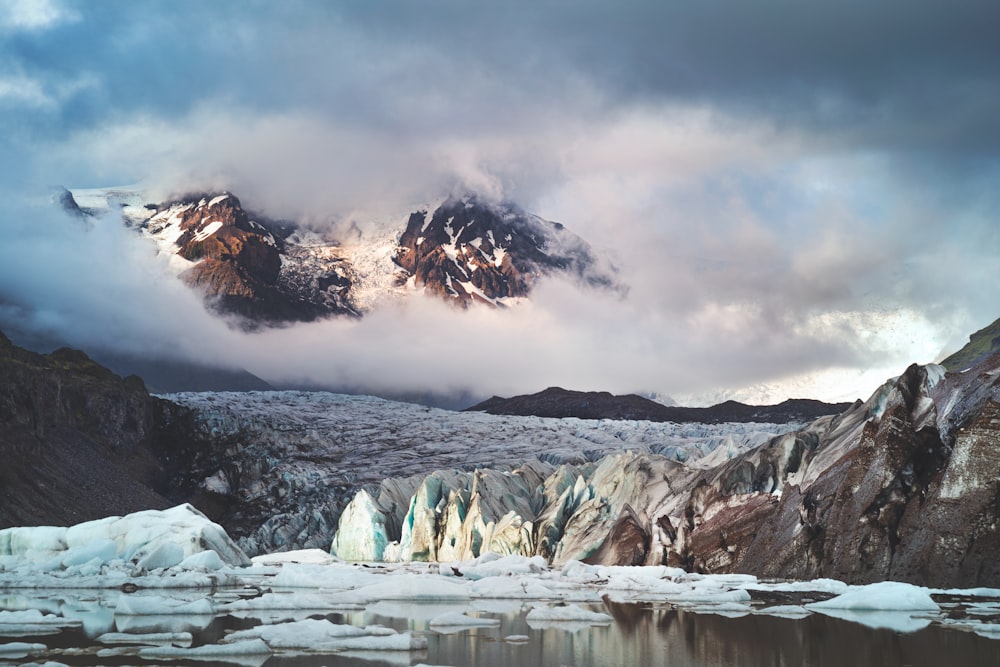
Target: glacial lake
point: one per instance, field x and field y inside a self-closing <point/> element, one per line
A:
<point x="640" y="634"/>
<point x="644" y="634"/>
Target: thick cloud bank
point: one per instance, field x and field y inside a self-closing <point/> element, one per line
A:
<point x="801" y="199"/>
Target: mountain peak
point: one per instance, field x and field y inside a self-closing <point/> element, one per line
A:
<point x="465" y="249"/>
<point x="471" y="250"/>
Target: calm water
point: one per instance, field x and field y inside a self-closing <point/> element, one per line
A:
<point x="645" y="635"/>
<point x="640" y="635"/>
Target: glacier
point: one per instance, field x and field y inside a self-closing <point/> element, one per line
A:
<point x="288" y="462"/>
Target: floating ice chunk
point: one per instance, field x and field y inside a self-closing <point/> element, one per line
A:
<point x="393" y="642"/>
<point x="306" y="634"/>
<point x="784" y="611"/>
<point x="883" y="596"/>
<point x="983" y="609"/>
<point x="643" y="582"/>
<point x="517" y="639"/>
<point x="15" y="650"/>
<point x="101" y="549"/>
<point x="157" y="605"/>
<point x="151" y="538"/>
<point x="460" y="620"/>
<point x="988" y="630"/>
<point x="180" y="639"/>
<point x="831" y="586"/>
<point x="334" y="576"/>
<point x="154" y="624"/>
<point x="710" y="596"/>
<point x="512" y="587"/>
<point x="579" y="571"/>
<point x="285" y="602"/>
<point x="300" y="556"/>
<point x="416" y="612"/>
<point x="727" y="609"/>
<point x="570" y="613"/>
<point x="494" y="565"/>
<point x="251" y="652"/>
<point x="415" y="587"/>
<point x="35" y="540"/>
<point x="972" y="592"/>
<point x="33" y="623"/>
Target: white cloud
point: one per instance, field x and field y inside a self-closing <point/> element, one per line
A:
<point x="32" y="15"/>
<point x="766" y="234"/>
<point x="24" y="91"/>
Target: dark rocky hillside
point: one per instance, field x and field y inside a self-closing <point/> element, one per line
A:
<point x="558" y="402"/>
<point x="78" y="442"/>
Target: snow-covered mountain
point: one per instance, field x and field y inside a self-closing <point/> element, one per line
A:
<point x="470" y="250"/>
<point x="462" y="249"/>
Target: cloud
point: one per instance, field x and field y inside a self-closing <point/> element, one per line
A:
<point x="789" y="190"/>
<point x="33" y="15"/>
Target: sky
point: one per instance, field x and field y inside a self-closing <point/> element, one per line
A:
<point x="800" y="197"/>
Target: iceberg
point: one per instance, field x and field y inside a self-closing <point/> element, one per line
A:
<point x="882" y="596"/>
<point x="147" y="540"/>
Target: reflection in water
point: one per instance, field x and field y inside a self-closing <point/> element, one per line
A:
<point x="641" y="634"/>
<point x="658" y="635"/>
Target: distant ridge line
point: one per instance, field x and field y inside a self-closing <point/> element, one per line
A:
<point x="558" y="402"/>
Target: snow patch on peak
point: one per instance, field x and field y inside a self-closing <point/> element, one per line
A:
<point x="208" y="230"/>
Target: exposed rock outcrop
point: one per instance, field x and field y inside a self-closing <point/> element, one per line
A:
<point x="239" y="263"/>
<point x="468" y="250"/>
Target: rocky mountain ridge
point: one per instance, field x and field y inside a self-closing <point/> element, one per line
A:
<point x="471" y="251"/>
<point x="464" y="250"/>
<point x="559" y="402"/>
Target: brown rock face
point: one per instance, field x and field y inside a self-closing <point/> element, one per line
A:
<point x="911" y="496"/>
<point x="471" y="251"/>
<point x="222" y="231"/>
<point x="238" y="263"/>
<point x="627" y="543"/>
